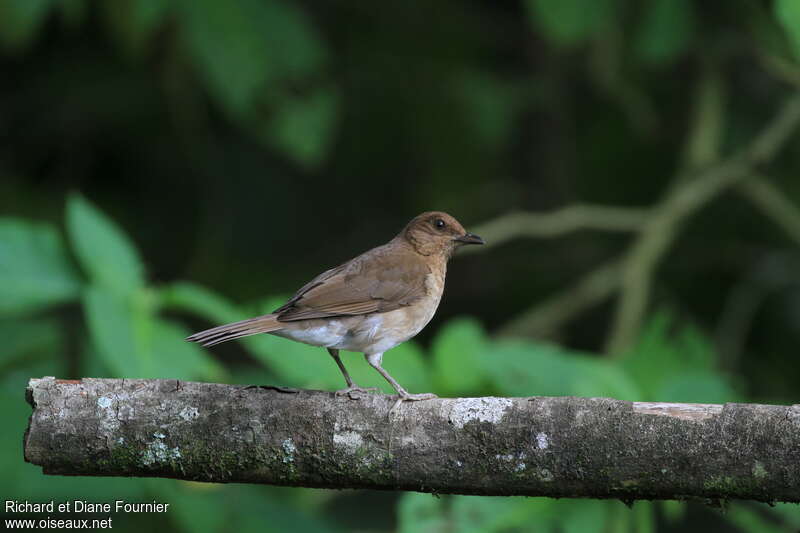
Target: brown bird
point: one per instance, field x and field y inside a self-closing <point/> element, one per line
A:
<point x="369" y="304"/>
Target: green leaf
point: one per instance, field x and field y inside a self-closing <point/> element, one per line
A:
<point x="596" y="377"/>
<point x="177" y="358"/>
<point x="15" y="416"/>
<point x="748" y="519"/>
<point x="458" y="352"/>
<point x="787" y="512"/>
<point x="303" y="127"/>
<point x="228" y="48"/>
<point x="520" y="368"/>
<point x="120" y="332"/>
<point x="241" y="45"/>
<point x="267" y="305"/>
<point x="421" y="513"/>
<point x="644" y="517"/>
<point x="274" y="515"/>
<point x="653" y="357"/>
<point x="251" y="53"/>
<point x="696" y="387"/>
<point x="249" y="374"/>
<point x="134" y="343"/>
<point x="673" y="511"/>
<point x="34" y="270"/>
<point x="480" y="514"/>
<point x="92" y="364"/>
<point x="490" y="106"/>
<point x="665" y="31"/>
<point x="198" y="508"/>
<point x="20" y="21"/>
<point x="788" y="14"/>
<point x="200" y="301"/>
<point x="104" y="251"/>
<point x="24" y="340"/>
<point x="295" y="363"/>
<point x="294" y="47"/>
<point x="133" y="22"/>
<point x="585" y="515"/>
<point x="74" y="12"/>
<point x="766" y="31"/>
<point x="405" y="363"/>
<point x="566" y="23"/>
<point x="209" y="507"/>
<point x="667" y="355"/>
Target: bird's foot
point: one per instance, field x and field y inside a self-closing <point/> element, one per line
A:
<point x="416" y="397"/>
<point x="407" y="397"/>
<point x="354" y="392"/>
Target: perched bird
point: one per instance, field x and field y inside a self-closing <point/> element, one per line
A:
<point x="369" y="304"/>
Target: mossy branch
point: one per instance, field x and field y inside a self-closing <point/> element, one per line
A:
<point x="559" y="447"/>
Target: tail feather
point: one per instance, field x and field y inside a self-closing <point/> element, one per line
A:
<point x="243" y="328"/>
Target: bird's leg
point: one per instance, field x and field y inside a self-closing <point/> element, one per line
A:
<point x="351" y="386"/>
<point x="335" y="354"/>
<point x="374" y="359"/>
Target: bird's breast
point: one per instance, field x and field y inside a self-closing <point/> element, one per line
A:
<point x="383" y="331"/>
<point x="371" y="333"/>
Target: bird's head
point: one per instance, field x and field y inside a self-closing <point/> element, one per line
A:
<point x="437" y="233"/>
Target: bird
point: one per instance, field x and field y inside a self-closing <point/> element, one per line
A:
<point x="369" y="304"/>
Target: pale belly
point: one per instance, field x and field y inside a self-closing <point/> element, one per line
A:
<point x="373" y="333"/>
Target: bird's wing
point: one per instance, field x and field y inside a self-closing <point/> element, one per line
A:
<point x="380" y="280"/>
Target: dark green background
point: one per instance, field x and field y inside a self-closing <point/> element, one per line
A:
<point x="170" y="165"/>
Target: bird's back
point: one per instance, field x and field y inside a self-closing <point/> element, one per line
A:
<point x="369" y="304"/>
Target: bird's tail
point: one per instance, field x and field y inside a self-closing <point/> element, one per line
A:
<point x="243" y="328"/>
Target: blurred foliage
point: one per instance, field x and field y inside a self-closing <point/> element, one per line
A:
<point x="128" y="335"/>
<point x="247" y="145"/>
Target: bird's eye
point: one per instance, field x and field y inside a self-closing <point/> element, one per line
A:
<point x="439" y="223"/>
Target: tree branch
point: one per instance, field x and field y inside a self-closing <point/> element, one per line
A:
<point x="774" y="272"/>
<point x="559" y="222"/>
<point x="681" y="202"/>
<point x="773" y="204"/>
<point x="561" y="447"/>
<point x="545" y="319"/>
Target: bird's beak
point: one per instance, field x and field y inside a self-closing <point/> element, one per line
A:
<point x="469" y="238"/>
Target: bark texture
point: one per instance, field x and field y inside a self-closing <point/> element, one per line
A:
<point x="539" y="446"/>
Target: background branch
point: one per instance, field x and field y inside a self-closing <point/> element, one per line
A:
<point x="773" y="204"/>
<point x="559" y="222"/>
<point x="775" y="272"/>
<point x="681" y="202"/>
<point x="545" y="319"/>
<point x="562" y="447"/>
<point x="657" y="227"/>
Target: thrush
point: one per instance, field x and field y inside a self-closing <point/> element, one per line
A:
<point x="369" y="304"/>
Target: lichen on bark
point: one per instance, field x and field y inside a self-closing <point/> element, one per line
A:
<point x="538" y="446"/>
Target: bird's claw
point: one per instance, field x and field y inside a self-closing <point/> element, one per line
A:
<point x="406" y="397"/>
<point x="354" y="392"/>
<point x="417" y="397"/>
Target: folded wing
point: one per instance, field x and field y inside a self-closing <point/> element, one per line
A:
<point x="378" y="281"/>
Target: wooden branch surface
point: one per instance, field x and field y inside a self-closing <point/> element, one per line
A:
<point x="538" y="446"/>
